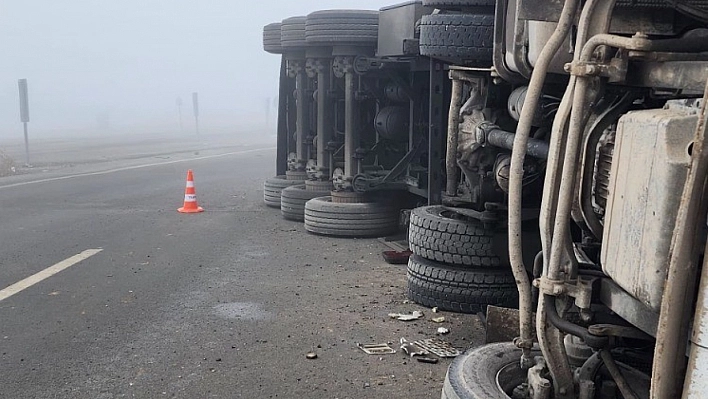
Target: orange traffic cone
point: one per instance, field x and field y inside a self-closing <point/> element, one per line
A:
<point x="190" y="197"/>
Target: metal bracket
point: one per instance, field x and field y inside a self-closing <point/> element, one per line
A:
<point x="363" y="65"/>
<point x="381" y="180"/>
<point x="615" y="70"/>
<point x="581" y="289"/>
<point x="540" y="387"/>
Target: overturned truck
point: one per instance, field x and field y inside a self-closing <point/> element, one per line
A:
<point x="552" y="156"/>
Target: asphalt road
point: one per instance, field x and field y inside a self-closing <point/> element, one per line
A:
<point x="220" y="304"/>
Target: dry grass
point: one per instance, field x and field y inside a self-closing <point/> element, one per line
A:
<point x="7" y="165"/>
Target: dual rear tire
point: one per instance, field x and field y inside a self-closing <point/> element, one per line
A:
<point x="362" y="219"/>
<point x="273" y="188"/>
<point x="457" y="264"/>
<point x="294" y="198"/>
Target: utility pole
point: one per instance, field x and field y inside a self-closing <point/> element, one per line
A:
<point x="195" y="104"/>
<point x="24" y="115"/>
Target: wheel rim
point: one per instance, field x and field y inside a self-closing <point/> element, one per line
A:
<point x="448" y="213"/>
<point x="509" y="377"/>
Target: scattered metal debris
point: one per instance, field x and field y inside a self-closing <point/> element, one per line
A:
<point x="438" y="319"/>
<point x="422" y="359"/>
<point x="376" y="349"/>
<point x="435" y="309"/>
<point x="438" y="347"/>
<point x="311" y="355"/>
<point x="443" y="330"/>
<point x="412" y="349"/>
<point x="417" y="314"/>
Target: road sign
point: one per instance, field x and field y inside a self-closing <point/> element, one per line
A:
<point x="24" y="101"/>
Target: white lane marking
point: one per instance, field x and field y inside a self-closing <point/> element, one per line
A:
<point x="149" y="165"/>
<point x="46" y="273"/>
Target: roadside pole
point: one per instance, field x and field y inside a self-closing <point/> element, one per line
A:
<point x="195" y="104"/>
<point x="24" y="115"/>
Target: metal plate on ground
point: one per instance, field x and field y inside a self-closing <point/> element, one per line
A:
<point x="438" y="347"/>
<point x="376" y="349"/>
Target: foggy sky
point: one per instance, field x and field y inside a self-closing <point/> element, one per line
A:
<point x="100" y="67"/>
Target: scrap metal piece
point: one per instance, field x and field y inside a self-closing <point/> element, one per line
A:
<point x="443" y="330"/>
<point x="417" y="314"/>
<point x="376" y="349"/>
<point x="438" y="319"/>
<point x="412" y="349"/>
<point x="430" y="360"/>
<point x="438" y="347"/>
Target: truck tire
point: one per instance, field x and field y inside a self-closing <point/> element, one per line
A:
<point x="435" y="234"/>
<point x="464" y="290"/>
<point x="299" y="175"/>
<point x="458" y="38"/>
<point x="292" y="32"/>
<point x="342" y="27"/>
<point x="492" y="372"/>
<point x="457" y="4"/>
<point x="271" y="38"/>
<point x="273" y="187"/>
<point x="477" y="374"/>
<point x="369" y="219"/>
<point x="362" y="17"/>
<point x="319" y="185"/>
<point x="293" y="199"/>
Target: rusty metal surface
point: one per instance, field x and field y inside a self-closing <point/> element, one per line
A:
<point x="696" y="381"/>
<point x="453" y="130"/>
<point x="669" y="355"/>
<point x="502" y="324"/>
<point x="540" y="10"/>
<point x="688" y="76"/>
<point x="649" y="169"/>
<point x="628" y="307"/>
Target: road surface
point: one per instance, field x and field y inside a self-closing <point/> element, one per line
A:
<point x="221" y="304"/>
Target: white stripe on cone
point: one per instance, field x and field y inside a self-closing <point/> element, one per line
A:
<point x="190" y="184"/>
<point x="190" y="198"/>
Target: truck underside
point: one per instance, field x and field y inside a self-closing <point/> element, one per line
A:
<point x="547" y="155"/>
